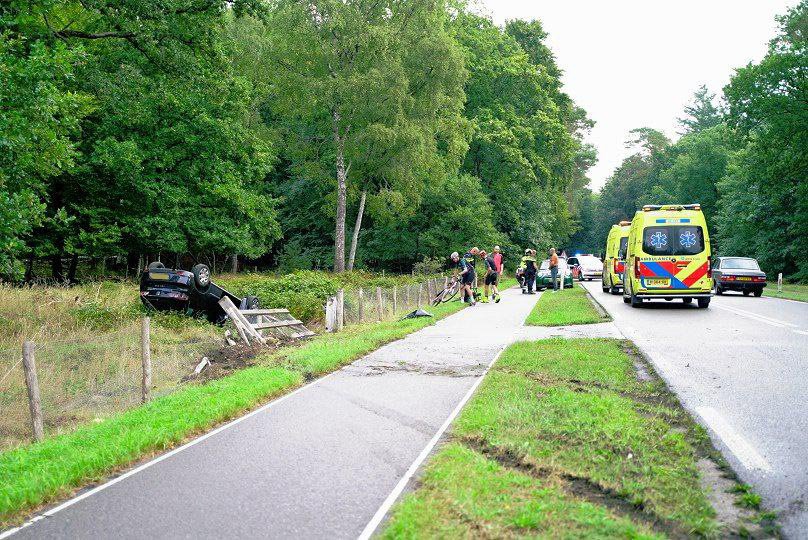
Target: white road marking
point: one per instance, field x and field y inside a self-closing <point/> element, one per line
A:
<point x="803" y="332"/>
<point x="759" y="318"/>
<point x="370" y="528"/>
<point x="736" y="443"/>
<point x="124" y="476"/>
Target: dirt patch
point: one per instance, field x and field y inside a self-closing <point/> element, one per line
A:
<point x="579" y="487"/>
<point x="225" y="360"/>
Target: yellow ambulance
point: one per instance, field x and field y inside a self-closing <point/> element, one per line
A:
<point x="668" y="255"/>
<point x="615" y="260"/>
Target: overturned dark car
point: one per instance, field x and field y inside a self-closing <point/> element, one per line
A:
<point x="192" y="293"/>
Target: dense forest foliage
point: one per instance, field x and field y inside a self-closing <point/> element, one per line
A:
<point x="350" y="133"/>
<point x="744" y="157"/>
<point x="324" y="133"/>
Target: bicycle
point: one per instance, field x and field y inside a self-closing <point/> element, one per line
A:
<point x="449" y="292"/>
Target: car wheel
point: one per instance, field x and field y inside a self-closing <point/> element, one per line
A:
<point x="626" y="299"/>
<point x="251" y="302"/>
<point x="717" y="288"/>
<point x="635" y="302"/>
<point x="745" y="292"/>
<point x="201" y="276"/>
<point x="703" y="302"/>
<point x="156" y="265"/>
<point x="758" y="293"/>
<point x="687" y="300"/>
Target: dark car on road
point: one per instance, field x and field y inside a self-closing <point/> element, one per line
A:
<point x="742" y="274"/>
<point x="192" y="293"/>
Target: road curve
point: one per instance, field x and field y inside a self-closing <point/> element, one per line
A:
<point x="741" y="366"/>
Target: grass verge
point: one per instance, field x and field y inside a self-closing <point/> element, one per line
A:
<point x="561" y="308"/>
<point x="791" y="291"/>
<point x="562" y="440"/>
<point x="36" y="474"/>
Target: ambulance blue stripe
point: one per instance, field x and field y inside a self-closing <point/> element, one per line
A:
<point x="657" y="269"/>
<point x="685" y="220"/>
<point x="676" y="284"/>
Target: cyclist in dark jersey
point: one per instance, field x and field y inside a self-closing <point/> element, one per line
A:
<point x="491" y="276"/>
<point x="467" y="272"/>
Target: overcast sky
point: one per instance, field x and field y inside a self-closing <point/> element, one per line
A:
<point x="636" y="63"/>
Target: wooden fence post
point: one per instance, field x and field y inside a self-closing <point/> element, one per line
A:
<point x="395" y="300"/>
<point x="430" y="294"/>
<point x="329" y="314"/>
<point x="361" y="302"/>
<point x="340" y="308"/>
<point x="445" y="282"/>
<point x="420" y="292"/>
<point x="145" y="359"/>
<point x="379" y="303"/>
<point x="31" y="381"/>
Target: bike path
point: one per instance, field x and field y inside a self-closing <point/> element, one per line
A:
<point x="315" y="464"/>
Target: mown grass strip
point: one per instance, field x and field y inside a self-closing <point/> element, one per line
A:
<point x="39" y="473"/>
<point x="791" y="291"/>
<point x="564" y="307"/>
<point x="561" y="436"/>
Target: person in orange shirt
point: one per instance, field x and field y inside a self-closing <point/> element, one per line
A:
<point x="554" y="268"/>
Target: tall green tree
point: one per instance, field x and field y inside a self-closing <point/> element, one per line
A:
<point x="768" y="105"/>
<point x="369" y="95"/>
<point x="701" y="113"/>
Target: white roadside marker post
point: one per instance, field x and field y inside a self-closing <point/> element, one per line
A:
<point x="780" y="282"/>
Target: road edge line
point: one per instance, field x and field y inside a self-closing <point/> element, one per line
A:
<point x="391" y="499"/>
<point x="158" y="459"/>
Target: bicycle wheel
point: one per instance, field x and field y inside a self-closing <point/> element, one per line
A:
<point x="438" y="297"/>
<point x="451" y="291"/>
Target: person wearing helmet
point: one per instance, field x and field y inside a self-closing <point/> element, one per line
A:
<point x="466" y="275"/>
<point x="528" y="265"/>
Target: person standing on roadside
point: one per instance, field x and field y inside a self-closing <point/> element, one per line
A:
<point x="471" y="259"/>
<point x="528" y="264"/>
<point x="491" y="277"/>
<point x="554" y="268"/>
<point x="499" y="260"/>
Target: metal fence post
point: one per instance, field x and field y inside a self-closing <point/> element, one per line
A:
<point x="379" y="307"/>
<point x="395" y="300"/>
<point x="31" y="381"/>
<point x="360" y="304"/>
<point x="145" y="359"/>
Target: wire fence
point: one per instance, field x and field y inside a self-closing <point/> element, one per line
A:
<point x="88" y="380"/>
<point x="378" y="304"/>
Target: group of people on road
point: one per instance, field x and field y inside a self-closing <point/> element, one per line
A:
<point x="467" y="273"/>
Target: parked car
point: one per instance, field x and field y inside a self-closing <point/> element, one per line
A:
<point x="586" y="267"/>
<point x="543" y="278"/>
<point x="741" y="274"/>
<point x="192" y="293"/>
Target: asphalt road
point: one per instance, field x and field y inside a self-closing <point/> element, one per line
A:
<point x="320" y="463"/>
<point x="741" y="366"/>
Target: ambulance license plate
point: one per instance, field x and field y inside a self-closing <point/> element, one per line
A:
<point x="658" y="282"/>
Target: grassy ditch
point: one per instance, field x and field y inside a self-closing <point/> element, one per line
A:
<point x="791" y="291"/>
<point x="562" y="440"/>
<point x="564" y="307"/>
<point x="36" y="474"/>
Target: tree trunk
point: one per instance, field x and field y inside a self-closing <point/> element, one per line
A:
<point x="29" y="268"/>
<point x="57" y="272"/>
<point x="342" y="180"/>
<point x="71" y="270"/>
<point x="358" y="226"/>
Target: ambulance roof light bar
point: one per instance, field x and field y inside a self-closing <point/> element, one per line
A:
<point x="649" y="207"/>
